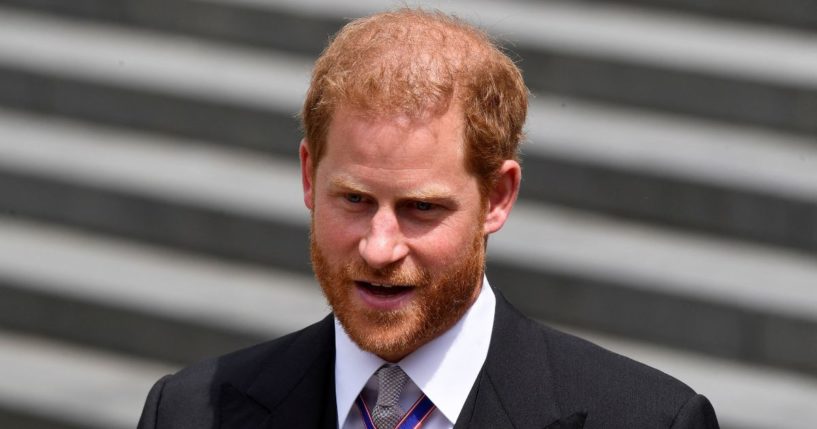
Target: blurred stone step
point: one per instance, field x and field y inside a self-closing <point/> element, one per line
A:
<point x="662" y="60"/>
<point x="796" y="13"/>
<point x="143" y="300"/>
<point x="697" y="292"/>
<point x="170" y="84"/>
<point x="47" y="384"/>
<point x="278" y="26"/>
<point x="743" y="182"/>
<point x="228" y="203"/>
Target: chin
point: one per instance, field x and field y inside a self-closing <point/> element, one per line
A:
<point x="390" y="335"/>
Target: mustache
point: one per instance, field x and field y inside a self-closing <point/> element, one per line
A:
<point x="396" y="274"/>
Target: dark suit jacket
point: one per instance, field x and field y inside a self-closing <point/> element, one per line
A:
<point x="533" y="377"/>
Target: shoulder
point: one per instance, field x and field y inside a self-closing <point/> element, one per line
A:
<point x="613" y="390"/>
<point x="242" y="367"/>
<point x="191" y="395"/>
<point x="580" y="363"/>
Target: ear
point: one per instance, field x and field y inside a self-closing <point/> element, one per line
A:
<point x="306" y="174"/>
<point x="502" y="196"/>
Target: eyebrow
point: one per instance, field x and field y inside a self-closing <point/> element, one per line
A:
<point x="432" y="193"/>
<point x="347" y="184"/>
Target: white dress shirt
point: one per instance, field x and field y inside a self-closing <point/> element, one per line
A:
<point x="444" y="369"/>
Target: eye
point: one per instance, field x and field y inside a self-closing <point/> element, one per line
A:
<point x="354" y="198"/>
<point x="423" y="206"/>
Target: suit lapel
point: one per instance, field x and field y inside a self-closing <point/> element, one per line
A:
<point x="237" y="410"/>
<point x="294" y="389"/>
<point x="515" y="386"/>
<point x="483" y="408"/>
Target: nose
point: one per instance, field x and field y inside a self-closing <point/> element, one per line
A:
<point x="384" y="242"/>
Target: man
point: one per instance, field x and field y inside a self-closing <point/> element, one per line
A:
<point x="409" y="163"/>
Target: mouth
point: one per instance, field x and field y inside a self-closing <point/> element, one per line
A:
<point x="384" y="296"/>
<point x="383" y="289"/>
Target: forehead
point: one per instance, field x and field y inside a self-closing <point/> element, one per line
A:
<point x="397" y="140"/>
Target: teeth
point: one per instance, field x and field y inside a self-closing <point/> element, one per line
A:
<point x="380" y="285"/>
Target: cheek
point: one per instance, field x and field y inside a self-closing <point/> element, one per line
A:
<point x="445" y="248"/>
<point x="334" y="231"/>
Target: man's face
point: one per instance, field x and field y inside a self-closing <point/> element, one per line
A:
<point x="397" y="228"/>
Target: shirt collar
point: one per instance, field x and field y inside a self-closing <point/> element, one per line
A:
<point x="445" y="368"/>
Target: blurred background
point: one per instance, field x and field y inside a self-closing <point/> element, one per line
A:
<point x="150" y="207"/>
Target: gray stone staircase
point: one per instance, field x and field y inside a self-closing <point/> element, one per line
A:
<point x="150" y="207"/>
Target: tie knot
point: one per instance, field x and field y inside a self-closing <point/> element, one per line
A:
<point x="391" y="381"/>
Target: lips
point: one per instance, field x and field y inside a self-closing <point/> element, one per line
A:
<point x="383" y="296"/>
<point x="384" y="289"/>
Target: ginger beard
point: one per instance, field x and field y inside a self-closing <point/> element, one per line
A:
<point x="440" y="299"/>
